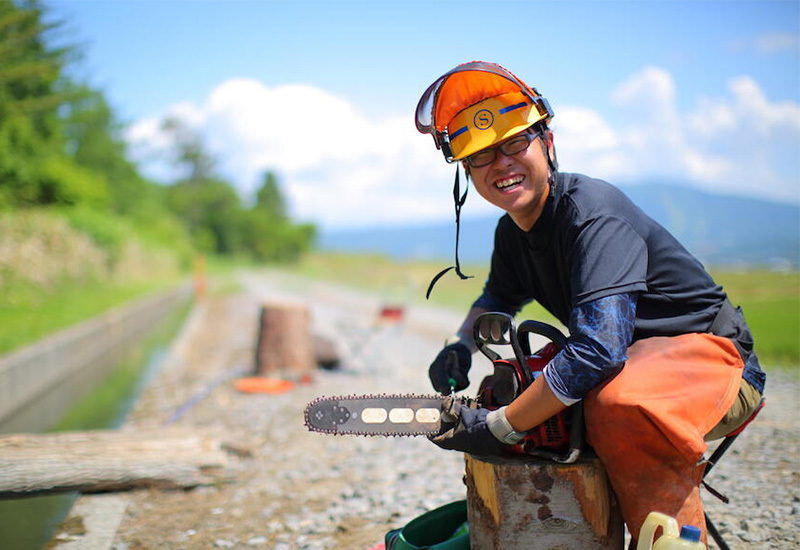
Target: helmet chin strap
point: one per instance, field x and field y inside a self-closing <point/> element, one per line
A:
<point x="459" y="199"/>
<point x="552" y="161"/>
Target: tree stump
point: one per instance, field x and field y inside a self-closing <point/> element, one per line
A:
<point x="533" y="503"/>
<point x="284" y="343"/>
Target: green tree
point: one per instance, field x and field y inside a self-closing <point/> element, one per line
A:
<point x="93" y="141"/>
<point x="211" y="210"/>
<point x="269" y="199"/>
<point x="34" y="165"/>
<point x="190" y="151"/>
<point x="268" y="232"/>
<point x="29" y="68"/>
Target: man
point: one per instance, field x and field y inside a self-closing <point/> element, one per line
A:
<point x="661" y="359"/>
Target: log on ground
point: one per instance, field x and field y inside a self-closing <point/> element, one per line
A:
<point x="105" y="460"/>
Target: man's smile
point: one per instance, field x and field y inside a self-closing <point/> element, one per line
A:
<point x="508" y="183"/>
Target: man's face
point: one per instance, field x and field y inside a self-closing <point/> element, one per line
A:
<point x="518" y="183"/>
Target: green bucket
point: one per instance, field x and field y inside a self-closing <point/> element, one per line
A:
<point x="444" y="528"/>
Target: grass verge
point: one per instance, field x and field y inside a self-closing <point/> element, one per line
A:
<point x="29" y="312"/>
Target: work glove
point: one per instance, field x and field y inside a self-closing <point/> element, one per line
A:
<point x="452" y="364"/>
<point x="465" y="429"/>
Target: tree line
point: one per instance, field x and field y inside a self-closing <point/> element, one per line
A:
<point x="61" y="149"/>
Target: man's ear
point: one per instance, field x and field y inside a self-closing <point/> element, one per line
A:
<point x="465" y="166"/>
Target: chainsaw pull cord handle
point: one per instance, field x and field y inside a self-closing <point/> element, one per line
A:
<point x="458" y="200"/>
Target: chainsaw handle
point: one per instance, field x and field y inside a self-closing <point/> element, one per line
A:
<point x="542" y="329"/>
<point x="496" y="328"/>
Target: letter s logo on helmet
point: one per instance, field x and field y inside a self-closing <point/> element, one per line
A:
<point x="483" y="119"/>
<point x="477" y="105"/>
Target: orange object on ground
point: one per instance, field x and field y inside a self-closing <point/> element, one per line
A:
<point x="647" y="423"/>
<point x="261" y="384"/>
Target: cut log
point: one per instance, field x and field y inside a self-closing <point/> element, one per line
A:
<point x="534" y="503"/>
<point x="101" y="461"/>
<point x="284" y="342"/>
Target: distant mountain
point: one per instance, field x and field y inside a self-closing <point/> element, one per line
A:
<point x="721" y="230"/>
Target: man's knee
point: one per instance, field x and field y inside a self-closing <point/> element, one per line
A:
<point x="613" y="421"/>
<point x="606" y="402"/>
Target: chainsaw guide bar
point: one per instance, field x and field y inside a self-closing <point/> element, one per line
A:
<point x="381" y="415"/>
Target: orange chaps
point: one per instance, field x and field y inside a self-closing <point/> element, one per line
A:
<point x="647" y="423"/>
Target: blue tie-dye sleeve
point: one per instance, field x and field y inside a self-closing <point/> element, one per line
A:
<point x="600" y="333"/>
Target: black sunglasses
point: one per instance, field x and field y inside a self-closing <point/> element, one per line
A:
<point x="513" y="146"/>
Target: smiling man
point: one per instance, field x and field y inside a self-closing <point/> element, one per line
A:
<point x="661" y="359"/>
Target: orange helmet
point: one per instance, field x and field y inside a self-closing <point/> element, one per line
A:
<point x="476" y="105"/>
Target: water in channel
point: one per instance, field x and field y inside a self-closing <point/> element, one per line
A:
<point x="95" y="398"/>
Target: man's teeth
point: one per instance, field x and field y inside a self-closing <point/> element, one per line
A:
<point x="503" y="184"/>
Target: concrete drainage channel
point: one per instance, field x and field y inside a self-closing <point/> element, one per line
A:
<point x="33" y="370"/>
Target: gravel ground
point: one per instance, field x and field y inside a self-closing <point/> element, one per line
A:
<point x="314" y="492"/>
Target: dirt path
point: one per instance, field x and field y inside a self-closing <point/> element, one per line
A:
<point x="307" y="491"/>
<point x="299" y="490"/>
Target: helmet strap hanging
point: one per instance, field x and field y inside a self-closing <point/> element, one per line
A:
<point x="552" y="161"/>
<point x="458" y="199"/>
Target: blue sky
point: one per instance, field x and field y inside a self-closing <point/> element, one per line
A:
<point x="699" y="93"/>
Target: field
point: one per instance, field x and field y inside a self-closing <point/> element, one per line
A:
<point x="770" y="299"/>
<point x="771" y="302"/>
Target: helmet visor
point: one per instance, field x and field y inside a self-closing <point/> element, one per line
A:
<point x="454" y="108"/>
<point x="431" y="117"/>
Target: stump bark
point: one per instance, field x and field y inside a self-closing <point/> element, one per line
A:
<point x="285" y="343"/>
<point x="534" y="503"/>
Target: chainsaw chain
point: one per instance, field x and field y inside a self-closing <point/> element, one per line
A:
<point x="376" y="397"/>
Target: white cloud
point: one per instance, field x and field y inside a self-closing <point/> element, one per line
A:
<point x="767" y="44"/>
<point x="735" y="143"/>
<point x="339" y="168"/>
<point x="766" y="118"/>
<point x="586" y="142"/>
<point x="651" y="87"/>
<point x="777" y="42"/>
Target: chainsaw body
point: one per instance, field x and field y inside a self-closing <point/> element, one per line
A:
<point x="560" y="437"/>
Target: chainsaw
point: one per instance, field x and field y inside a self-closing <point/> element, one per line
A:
<point x="559" y="438"/>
